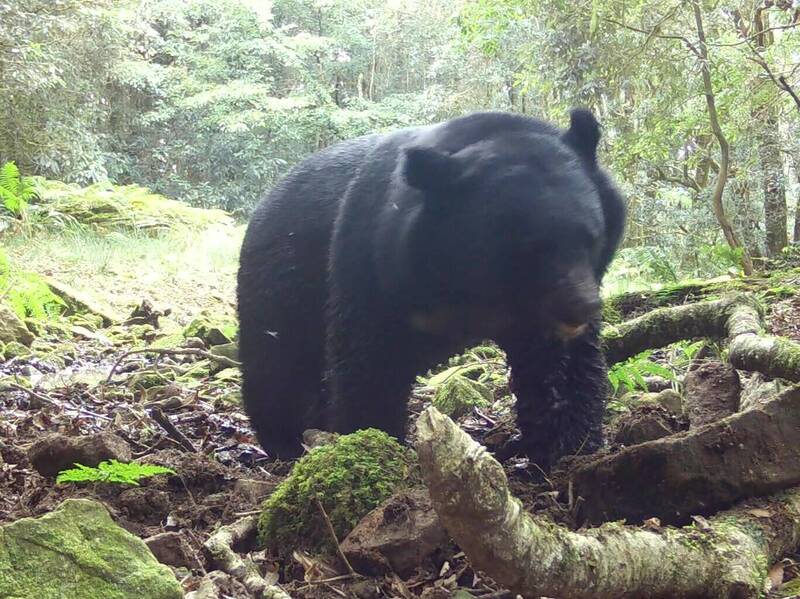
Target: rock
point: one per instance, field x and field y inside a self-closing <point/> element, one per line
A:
<point x="14" y="349"/>
<point x="171" y="549"/>
<point x="757" y="391"/>
<point x="228" y="375"/>
<point x="314" y="437"/>
<point x="57" y="452"/>
<point x="657" y="383"/>
<point x="218" y="336"/>
<point x="253" y="490"/>
<point x="12" y="328"/>
<point x="194" y="343"/>
<point x="671" y="401"/>
<point x="226" y="350"/>
<point x="212" y="329"/>
<point x="77" y="551"/>
<point x="401" y="534"/>
<point x="712" y="393"/>
<point x="457" y="395"/>
<point x="348" y="479"/>
<point x="77" y="302"/>
<point x="644" y="423"/>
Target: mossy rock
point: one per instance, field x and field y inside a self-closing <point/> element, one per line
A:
<point x="14" y="349"/>
<point x="77" y="551"/>
<point x="199" y="371"/>
<point x="108" y="207"/>
<point x="92" y="322"/>
<point x="12" y="328"/>
<point x="349" y="478"/>
<point x="458" y="395"/>
<point x="212" y="329"/>
<point x="226" y="350"/>
<point x="228" y="375"/>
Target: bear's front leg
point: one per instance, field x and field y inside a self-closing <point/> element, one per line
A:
<point x="561" y="390"/>
<point x="370" y="378"/>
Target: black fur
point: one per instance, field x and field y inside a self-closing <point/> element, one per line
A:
<point x="381" y="256"/>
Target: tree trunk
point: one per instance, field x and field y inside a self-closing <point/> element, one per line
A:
<point x="775" y="212"/>
<point x="796" y="237"/>
<point x="724" y="148"/>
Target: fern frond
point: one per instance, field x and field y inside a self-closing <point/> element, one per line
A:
<point x="9" y="177"/>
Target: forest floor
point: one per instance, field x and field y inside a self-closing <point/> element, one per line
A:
<point x="90" y="387"/>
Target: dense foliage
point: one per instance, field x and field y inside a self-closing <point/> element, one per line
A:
<point x="210" y="100"/>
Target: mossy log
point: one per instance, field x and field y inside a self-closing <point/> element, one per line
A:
<point x="728" y="557"/>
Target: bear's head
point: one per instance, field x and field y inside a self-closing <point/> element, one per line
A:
<point x="519" y="223"/>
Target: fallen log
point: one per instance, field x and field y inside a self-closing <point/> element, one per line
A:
<point x="727" y="557"/>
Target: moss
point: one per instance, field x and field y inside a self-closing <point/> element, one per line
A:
<point x="790" y="589"/>
<point x="212" y="329"/>
<point x="109" y="207"/>
<point x="611" y="314"/>
<point x="77" y="551"/>
<point x="787" y="358"/>
<point x="458" y="395"/>
<point x="146" y="380"/>
<point x="349" y="477"/>
<point x="14" y="349"/>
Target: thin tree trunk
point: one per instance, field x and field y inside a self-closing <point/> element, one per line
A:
<point x="724" y="148"/>
<point x="796" y="237"/>
<point x="775" y="211"/>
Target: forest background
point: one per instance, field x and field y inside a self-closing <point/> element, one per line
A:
<point x="210" y="101"/>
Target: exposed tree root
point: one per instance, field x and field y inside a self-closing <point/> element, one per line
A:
<point x="736" y="318"/>
<point x="733" y="315"/>
<point x="727" y="558"/>
<point x="751" y="453"/>
<point x="220" y="548"/>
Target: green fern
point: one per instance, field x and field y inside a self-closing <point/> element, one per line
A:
<point x="632" y="371"/>
<point x="27" y="293"/>
<point x="15" y="192"/>
<point x="113" y="472"/>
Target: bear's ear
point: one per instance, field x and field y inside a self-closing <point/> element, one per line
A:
<point x="583" y="134"/>
<point x="429" y="170"/>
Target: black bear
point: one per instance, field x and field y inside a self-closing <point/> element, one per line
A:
<point x="379" y="257"/>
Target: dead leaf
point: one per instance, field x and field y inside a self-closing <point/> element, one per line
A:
<point x="760" y="513"/>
